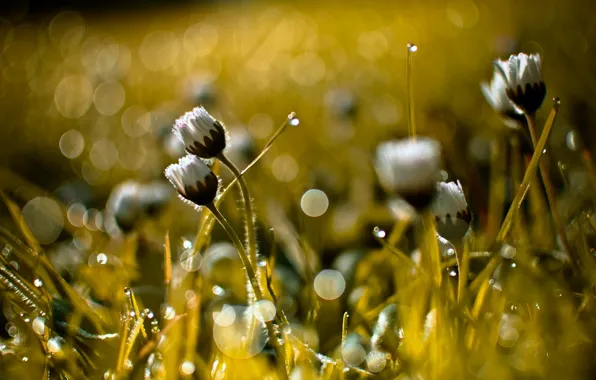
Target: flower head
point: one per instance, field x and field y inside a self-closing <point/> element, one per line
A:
<point x="193" y="179"/>
<point x="451" y="210"/>
<point x="154" y="197"/>
<point x="125" y="205"/>
<point x="201" y="133"/>
<point x="409" y="168"/>
<point x="523" y="77"/>
<point x="496" y="95"/>
<point x="450" y="202"/>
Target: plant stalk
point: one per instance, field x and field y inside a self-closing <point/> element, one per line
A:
<point x="548" y="186"/>
<point x="252" y="278"/>
<point x="251" y="240"/>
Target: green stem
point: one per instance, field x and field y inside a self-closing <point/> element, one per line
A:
<point x="251" y="240"/>
<point x="240" y="248"/>
<point x="549" y="188"/>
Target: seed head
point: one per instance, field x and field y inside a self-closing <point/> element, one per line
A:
<point x="524" y="85"/>
<point x="201" y="133"/>
<point x="193" y="179"/>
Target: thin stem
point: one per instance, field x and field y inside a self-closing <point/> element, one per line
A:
<point x="251" y="241"/>
<point x="530" y="171"/>
<point x="411" y="125"/>
<point x="240" y="248"/>
<point x="550" y="190"/>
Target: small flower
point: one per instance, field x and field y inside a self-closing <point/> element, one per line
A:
<point x="525" y="87"/>
<point x="410" y="168"/>
<point x="451" y="210"/>
<point x="193" y="179"/>
<point x="496" y="95"/>
<point x="201" y="133"/>
<point x="154" y="197"/>
<point x="450" y="203"/>
<point x="124" y="204"/>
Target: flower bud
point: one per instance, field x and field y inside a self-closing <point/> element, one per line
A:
<point x="410" y="168"/>
<point x="451" y="210"/>
<point x="524" y="85"/>
<point x="201" y="133"/>
<point x="125" y="205"/>
<point x="193" y="179"/>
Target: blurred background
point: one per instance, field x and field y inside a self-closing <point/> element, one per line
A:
<point x="89" y="91"/>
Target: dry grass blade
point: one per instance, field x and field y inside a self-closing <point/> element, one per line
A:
<point x="530" y="172"/>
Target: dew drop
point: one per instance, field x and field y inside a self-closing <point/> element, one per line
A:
<point x="262" y="261"/>
<point x="169" y="312"/>
<point x="39" y="326"/>
<point x="412" y="48"/>
<point x="38" y="283"/>
<point x="102" y="258"/>
<point x="379" y="233"/>
<point x="294" y="121"/>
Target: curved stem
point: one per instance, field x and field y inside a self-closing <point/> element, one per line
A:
<point x="549" y="188"/>
<point x="240" y="248"/>
<point x="251" y="240"/>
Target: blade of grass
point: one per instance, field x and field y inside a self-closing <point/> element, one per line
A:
<point x="530" y="172"/>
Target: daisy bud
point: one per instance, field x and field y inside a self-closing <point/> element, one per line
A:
<point x="523" y="77"/>
<point x="496" y="95"/>
<point x="410" y="168"/>
<point x="125" y="205"/>
<point x="193" y="179"/>
<point x="154" y="197"/>
<point x="201" y="133"/>
<point x="451" y="210"/>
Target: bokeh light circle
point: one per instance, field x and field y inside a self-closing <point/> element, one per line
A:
<point x="314" y="203"/>
<point x="44" y="218"/>
<point x="264" y="310"/>
<point x="329" y="284"/>
<point x="231" y="335"/>
<point x="109" y="98"/>
<point x="73" y="96"/>
<point x="72" y="144"/>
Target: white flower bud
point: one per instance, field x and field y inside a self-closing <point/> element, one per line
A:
<point x="193" y="180"/>
<point x="523" y="76"/>
<point x="201" y="133"/>
<point x="410" y="168"/>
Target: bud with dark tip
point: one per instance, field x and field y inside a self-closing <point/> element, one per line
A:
<point x="523" y="76"/>
<point x="125" y="205"/>
<point x="410" y="168"/>
<point x="201" y="133"/>
<point x="451" y="210"/>
<point x="193" y="179"/>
